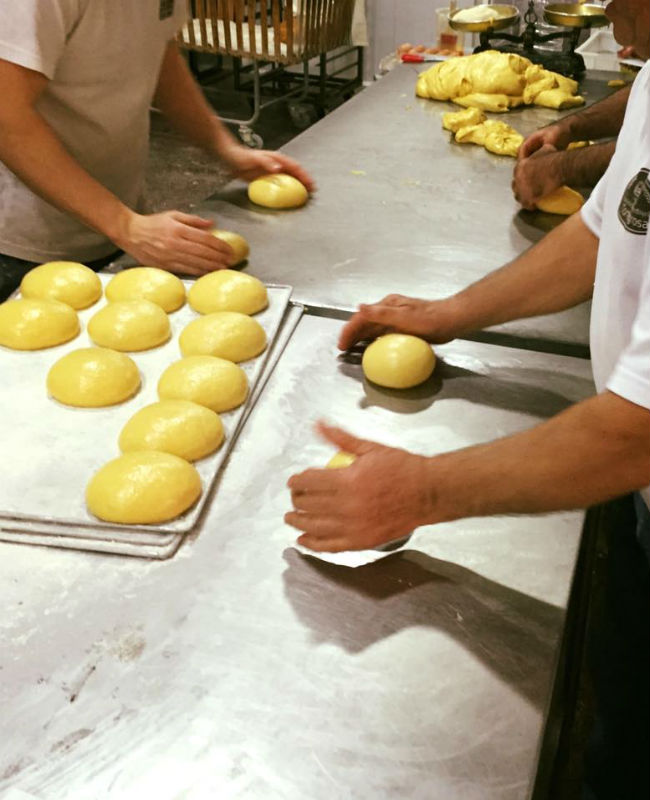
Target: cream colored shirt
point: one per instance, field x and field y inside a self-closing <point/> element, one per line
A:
<point x="102" y="59"/>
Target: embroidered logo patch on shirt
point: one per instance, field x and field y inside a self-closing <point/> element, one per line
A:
<point x="634" y="208"/>
<point x="166" y="9"/>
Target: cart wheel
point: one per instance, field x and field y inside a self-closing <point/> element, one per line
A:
<point x="302" y="115"/>
<point x="250" y="138"/>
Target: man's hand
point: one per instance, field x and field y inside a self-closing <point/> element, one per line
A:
<point x="429" y="319"/>
<point x="557" y="135"/>
<point x="173" y="241"/>
<point x="382" y="496"/>
<point x="250" y="164"/>
<point x="534" y="177"/>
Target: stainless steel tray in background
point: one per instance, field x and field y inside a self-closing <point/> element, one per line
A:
<point x="50" y="451"/>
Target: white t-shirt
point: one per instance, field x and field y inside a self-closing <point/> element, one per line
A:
<point x="617" y="212"/>
<point x="102" y="58"/>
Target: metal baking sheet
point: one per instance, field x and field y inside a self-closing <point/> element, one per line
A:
<point x="53" y="450"/>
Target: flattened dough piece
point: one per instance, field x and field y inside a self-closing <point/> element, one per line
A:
<point x="143" y="487"/>
<point x="228" y="290"/>
<point x="209" y="381"/>
<point x="562" y="200"/>
<point x="93" y="377"/>
<point x="239" y="245"/>
<point x="225" y="334"/>
<point x="455" y="120"/>
<point x="147" y="283"/>
<point x="340" y="460"/>
<point x="130" y="325"/>
<point x="278" y="191"/>
<point x="179" y="427"/>
<point x="398" y="361"/>
<point x="27" y="324"/>
<point x="74" y="284"/>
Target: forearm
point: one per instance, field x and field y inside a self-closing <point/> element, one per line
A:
<point x="555" y="274"/>
<point x="180" y="99"/>
<point x="599" y="121"/>
<point x="595" y="451"/>
<point x="585" y="166"/>
<point x="33" y="151"/>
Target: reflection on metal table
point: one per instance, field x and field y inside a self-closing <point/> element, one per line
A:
<point x="243" y="668"/>
<point x="399" y="208"/>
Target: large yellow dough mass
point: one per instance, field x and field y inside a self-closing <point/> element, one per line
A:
<point x="562" y="200"/>
<point x="398" y="361"/>
<point x="147" y="283"/>
<point x="28" y="324"/>
<point x="93" y="377"/>
<point x="228" y="290"/>
<point x="130" y="325"/>
<point x="178" y="427"/>
<point x="71" y="283"/>
<point x="239" y="245"/>
<point x="278" y="191"/>
<point x="209" y="381"/>
<point x="225" y="334"/>
<point x="143" y="487"/>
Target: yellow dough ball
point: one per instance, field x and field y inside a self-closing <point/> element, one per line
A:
<point x="130" y="325"/>
<point x="398" y="361"/>
<point x="211" y="382"/>
<point x="66" y="281"/>
<point x="238" y="243"/>
<point x="225" y="334"/>
<point x="142" y="488"/>
<point x="562" y="200"/>
<point x="340" y="460"/>
<point x="93" y="377"/>
<point x="278" y="191"/>
<point x="147" y="283"/>
<point x="227" y="290"/>
<point x="36" y="324"/>
<point x="178" y="427"/>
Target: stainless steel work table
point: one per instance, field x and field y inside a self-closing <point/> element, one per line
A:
<point x="243" y="669"/>
<point x="399" y="208"/>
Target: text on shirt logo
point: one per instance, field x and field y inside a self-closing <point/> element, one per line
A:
<point x="634" y="208"/>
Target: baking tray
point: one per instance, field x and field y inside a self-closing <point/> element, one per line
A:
<point x="51" y="450"/>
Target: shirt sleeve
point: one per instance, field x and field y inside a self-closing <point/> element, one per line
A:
<point x="592" y="211"/>
<point x="33" y="33"/>
<point x="631" y="375"/>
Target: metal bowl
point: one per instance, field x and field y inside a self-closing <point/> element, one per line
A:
<point x="575" y="15"/>
<point x="504" y="17"/>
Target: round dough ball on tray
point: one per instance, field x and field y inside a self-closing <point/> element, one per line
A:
<point x="225" y="334"/>
<point x="278" y="191"/>
<point x="74" y="284"/>
<point x="179" y="427"/>
<point x="209" y="381"/>
<point x="130" y="325"/>
<point x="147" y="283"/>
<point x="239" y="245"/>
<point x="93" y="377"/>
<point x="398" y="361"/>
<point x="228" y="290"/>
<point x="30" y="324"/>
<point x="142" y="488"/>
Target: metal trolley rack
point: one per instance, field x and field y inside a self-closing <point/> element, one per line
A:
<point x="264" y="38"/>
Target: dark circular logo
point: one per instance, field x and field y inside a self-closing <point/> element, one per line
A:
<point x="634" y="208"/>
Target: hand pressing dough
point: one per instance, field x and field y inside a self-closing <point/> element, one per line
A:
<point x="179" y="427"/>
<point x="238" y="243"/>
<point x="228" y="290"/>
<point x="455" y="120"/>
<point x="66" y="281"/>
<point x="142" y="488"/>
<point x="211" y="382"/>
<point x="562" y="200"/>
<point x="340" y="460"/>
<point x="28" y="324"/>
<point x="147" y="283"/>
<point x="398" y="361"/>
<point x="278" y="191"/>
<point x="93" y="377"/>
<point x="224" y="334"/>
<point x="130" y="325"/>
